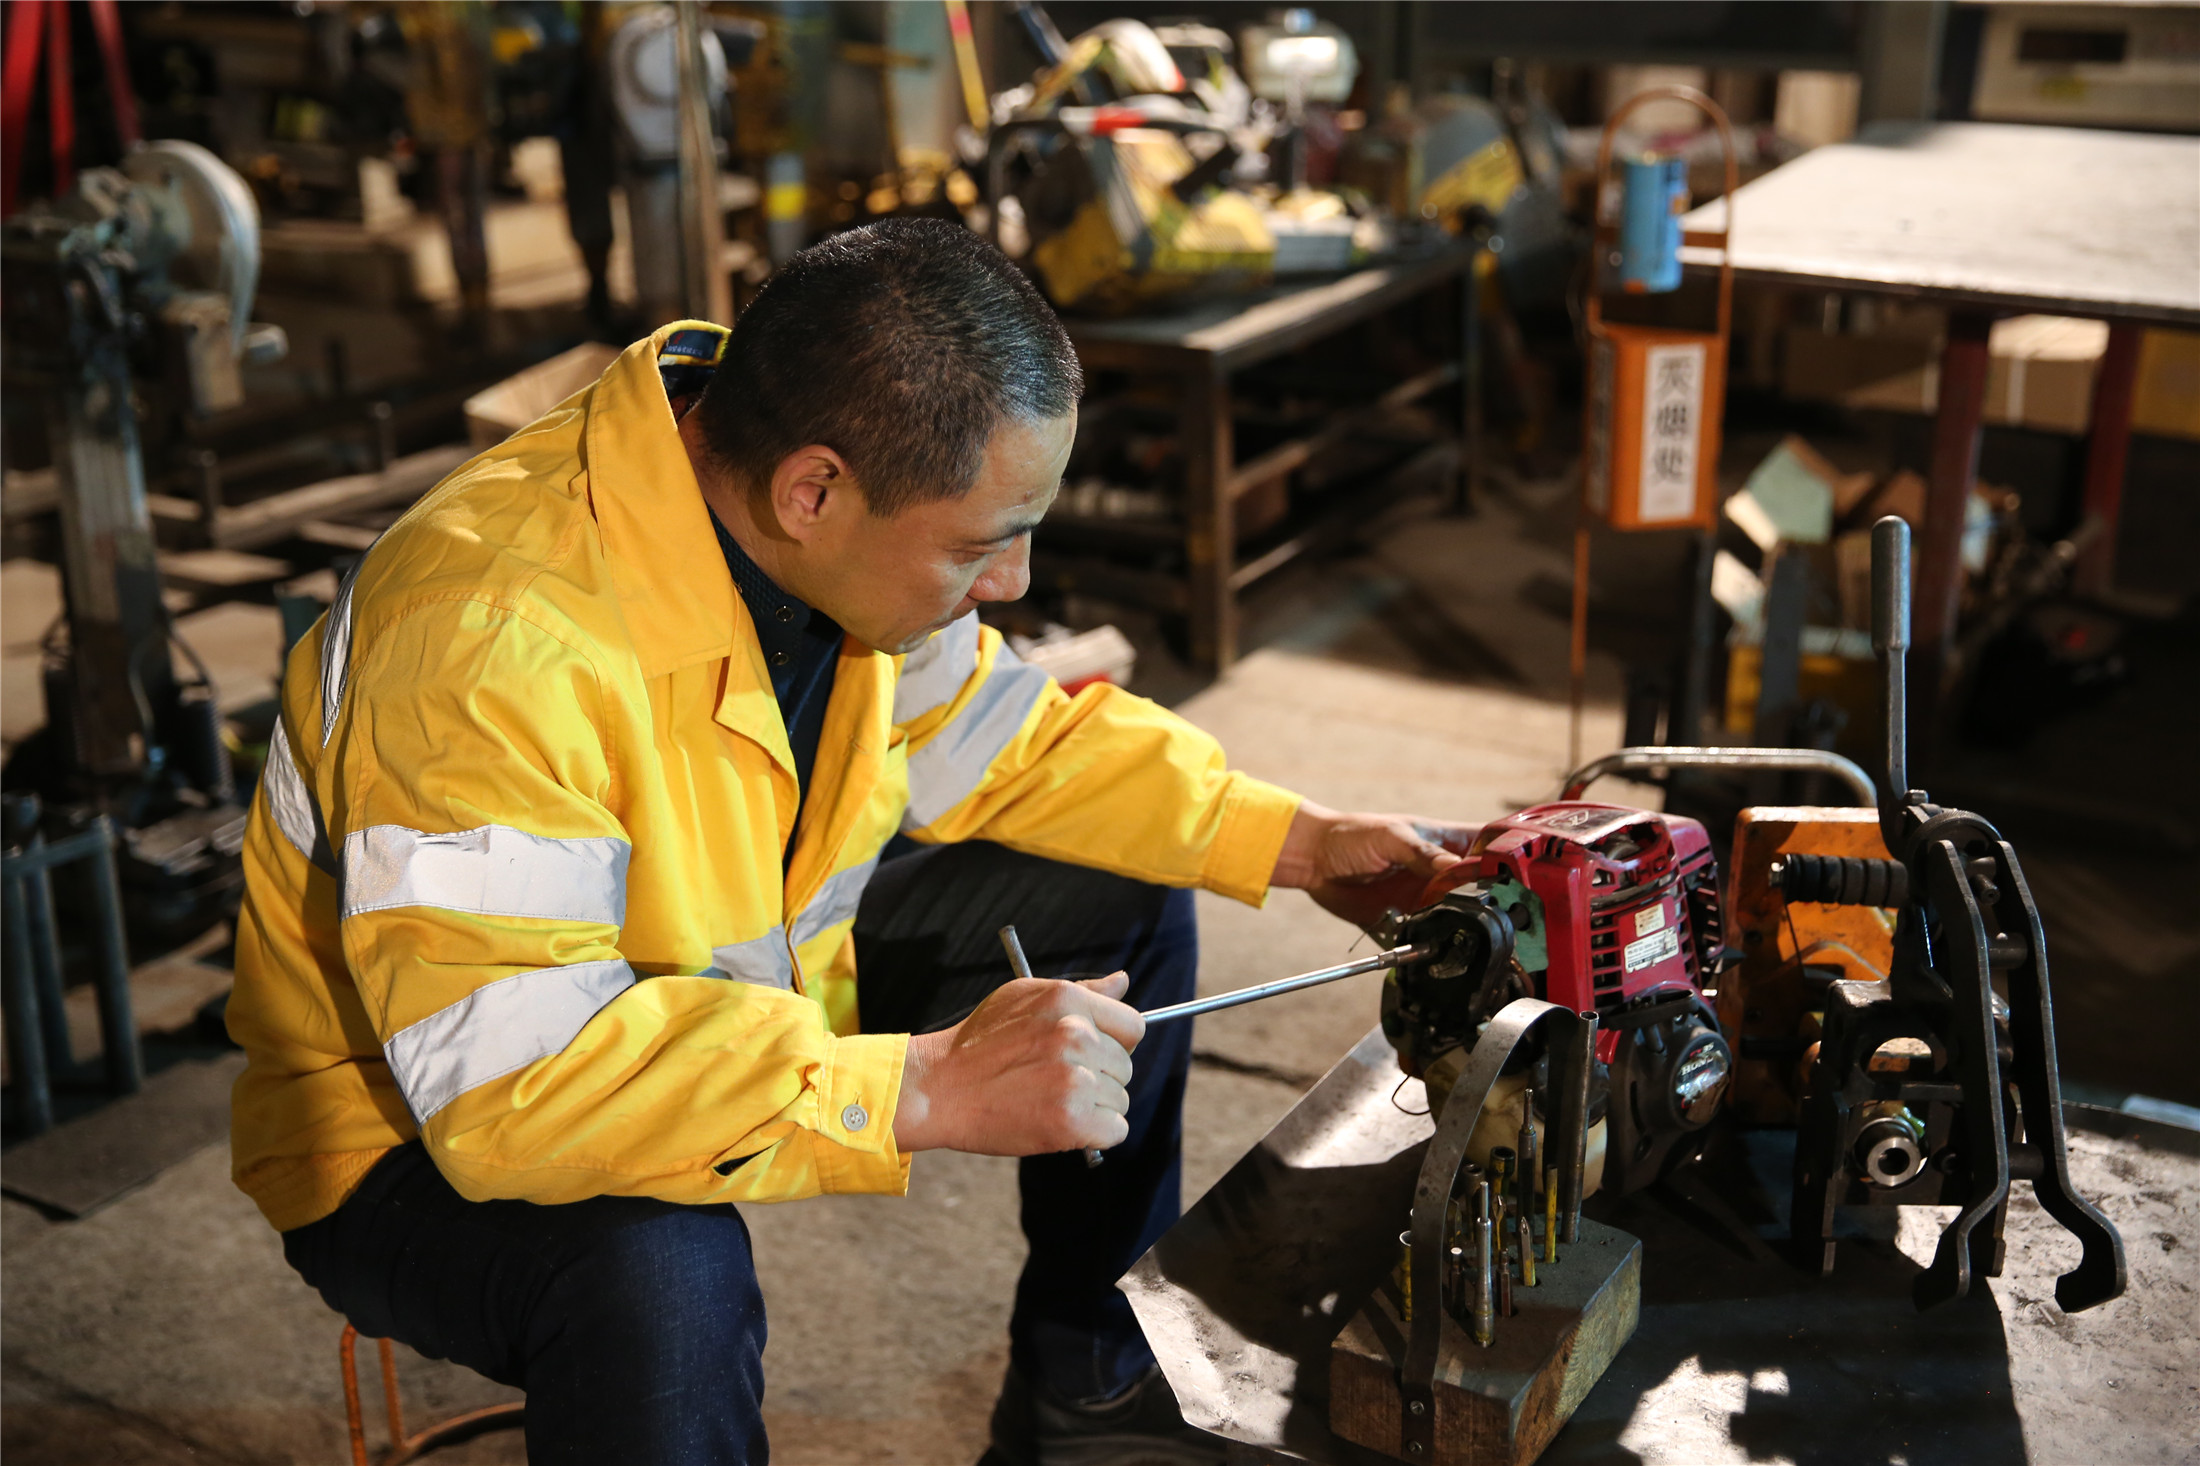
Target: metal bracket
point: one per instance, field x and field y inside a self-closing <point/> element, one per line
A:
<point x="1572" y="1051"/>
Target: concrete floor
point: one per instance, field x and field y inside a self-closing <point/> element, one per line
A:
<point x="1425" y="675"/>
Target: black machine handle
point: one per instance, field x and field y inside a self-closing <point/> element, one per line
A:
<point x="1572" y="1041"/>
<point x="1891" y="640"/>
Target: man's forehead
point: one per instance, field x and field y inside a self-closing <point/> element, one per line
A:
<point x="1021" y="470"/>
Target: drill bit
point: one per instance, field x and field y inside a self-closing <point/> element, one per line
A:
<point x="1504" y="1262"/>
<point x="1485" y="1302"/>
<point x="1527" y="1249"/>
<point x="1550" y="1216"/>
<point x="1530" y="1148"/>
<point x="1405" y="1277"/>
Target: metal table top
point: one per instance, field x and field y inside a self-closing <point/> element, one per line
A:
<point x="1740" y="1356"/>
<point x="1229" y="332"/>
<point x="2066" y="220"/>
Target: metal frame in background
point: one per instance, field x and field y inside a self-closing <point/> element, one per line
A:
<point x="1202" y="348"/>
<point x="31" y="975"/>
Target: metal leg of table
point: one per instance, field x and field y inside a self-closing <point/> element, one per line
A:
<point x="27" y="1075"/>
<point x="1210" y="523"/>
<point x="1954" y="468"/>
<point x="2108" y="444"/>
<point x="1467" y="492"/>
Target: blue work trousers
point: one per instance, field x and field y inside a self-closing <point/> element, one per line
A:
<point x="636" y="1327"/>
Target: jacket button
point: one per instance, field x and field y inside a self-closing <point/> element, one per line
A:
<point x="785" y="613"/>
<point x="855" y="1117"/>
<point x="780" y="658"/>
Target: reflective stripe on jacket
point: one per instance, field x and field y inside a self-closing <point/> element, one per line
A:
<point x="523" y="818"/>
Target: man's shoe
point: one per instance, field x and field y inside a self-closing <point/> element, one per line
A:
<point x="1140" y="1427"/>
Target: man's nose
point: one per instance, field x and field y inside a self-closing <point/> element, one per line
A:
<point x="1008" y="577"/>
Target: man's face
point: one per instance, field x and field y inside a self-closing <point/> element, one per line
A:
<point x="892" y="582"/>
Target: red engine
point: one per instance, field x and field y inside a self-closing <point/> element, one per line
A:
<point x="1593" y="906"/>
<point x="1622" y="905"/>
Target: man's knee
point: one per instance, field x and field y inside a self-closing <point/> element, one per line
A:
<point x="665" y="1278"/>
<point x="650" y="1346"/>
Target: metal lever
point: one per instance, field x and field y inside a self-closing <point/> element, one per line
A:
<point x="1891" y="640"/>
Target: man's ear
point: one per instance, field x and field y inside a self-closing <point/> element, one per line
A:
<point x="810" y="485"/>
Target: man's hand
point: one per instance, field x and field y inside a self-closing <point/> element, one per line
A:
<point x="1040" y="1066"/>
<point x="1359" y="865"/>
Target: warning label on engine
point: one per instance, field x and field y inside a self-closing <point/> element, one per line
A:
<point x="1654" y="948"/>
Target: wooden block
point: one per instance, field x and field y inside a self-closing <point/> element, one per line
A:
<point x="1501" y="1405"/>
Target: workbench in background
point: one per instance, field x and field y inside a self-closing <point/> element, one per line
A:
<point x="1198" y="355"/>
<point x="1987" y="220"/>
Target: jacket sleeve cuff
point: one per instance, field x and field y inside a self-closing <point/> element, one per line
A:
<point x="1255" y="818"/>
<point x="858" y="1091"/>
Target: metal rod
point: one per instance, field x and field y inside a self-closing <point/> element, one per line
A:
<point x="1652" y="759"/>
<point x="1485" y="1301"/>
<point x="26" y="1047"/>
<point x="1505" y="1204"/>
<point x="118" y="1035"/>
<point x="1392" y="958"/>
<point x="1405" y="1276"/>
<point x="1530" y="1152"/>
<point x="1021" y="966"/>
<point x="46" y="962"/>
<point x="1891" y="640"/>
<point x="1574" y="1143"/>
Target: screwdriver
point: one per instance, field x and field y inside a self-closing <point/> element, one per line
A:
<point x="1394" y="957"/>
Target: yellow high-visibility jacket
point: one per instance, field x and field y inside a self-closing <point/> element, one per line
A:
<point x="514" y="876"/>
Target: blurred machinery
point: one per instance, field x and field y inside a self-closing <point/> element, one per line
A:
<point x="1141" y="166"/>
<point x="648" y="64"/>
<point x="130" y="298"/>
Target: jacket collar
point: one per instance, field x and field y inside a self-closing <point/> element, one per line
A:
<point x="671" y="580"/>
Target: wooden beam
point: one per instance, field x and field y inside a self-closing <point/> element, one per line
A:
<point x="279" y="515"/>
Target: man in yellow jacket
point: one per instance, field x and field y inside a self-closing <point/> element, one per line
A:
<point x="633" y="842"/>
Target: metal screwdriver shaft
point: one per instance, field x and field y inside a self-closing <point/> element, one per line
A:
<point x="1316" y="978"/>
<point x="1021" y="966"/>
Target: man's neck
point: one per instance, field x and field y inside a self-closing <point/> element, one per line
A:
<point x="735" y="509"/>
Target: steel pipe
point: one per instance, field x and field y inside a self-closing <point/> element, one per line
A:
<point x="1653" y="759"/>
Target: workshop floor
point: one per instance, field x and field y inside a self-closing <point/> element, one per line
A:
<point x="1425" y="674"/>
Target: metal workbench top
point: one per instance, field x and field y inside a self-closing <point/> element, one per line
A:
<point x="1233" y="331"/>
<point x="2066" y="220"/>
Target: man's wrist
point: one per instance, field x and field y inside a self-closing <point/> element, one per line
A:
<point x="1298" y="864"/>
<point x="914" y="1120"/>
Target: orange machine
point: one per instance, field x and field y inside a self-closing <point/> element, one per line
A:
<point x="1769" y="1002"/>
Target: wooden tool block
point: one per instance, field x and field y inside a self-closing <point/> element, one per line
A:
<point x="1498" y="1406"/>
